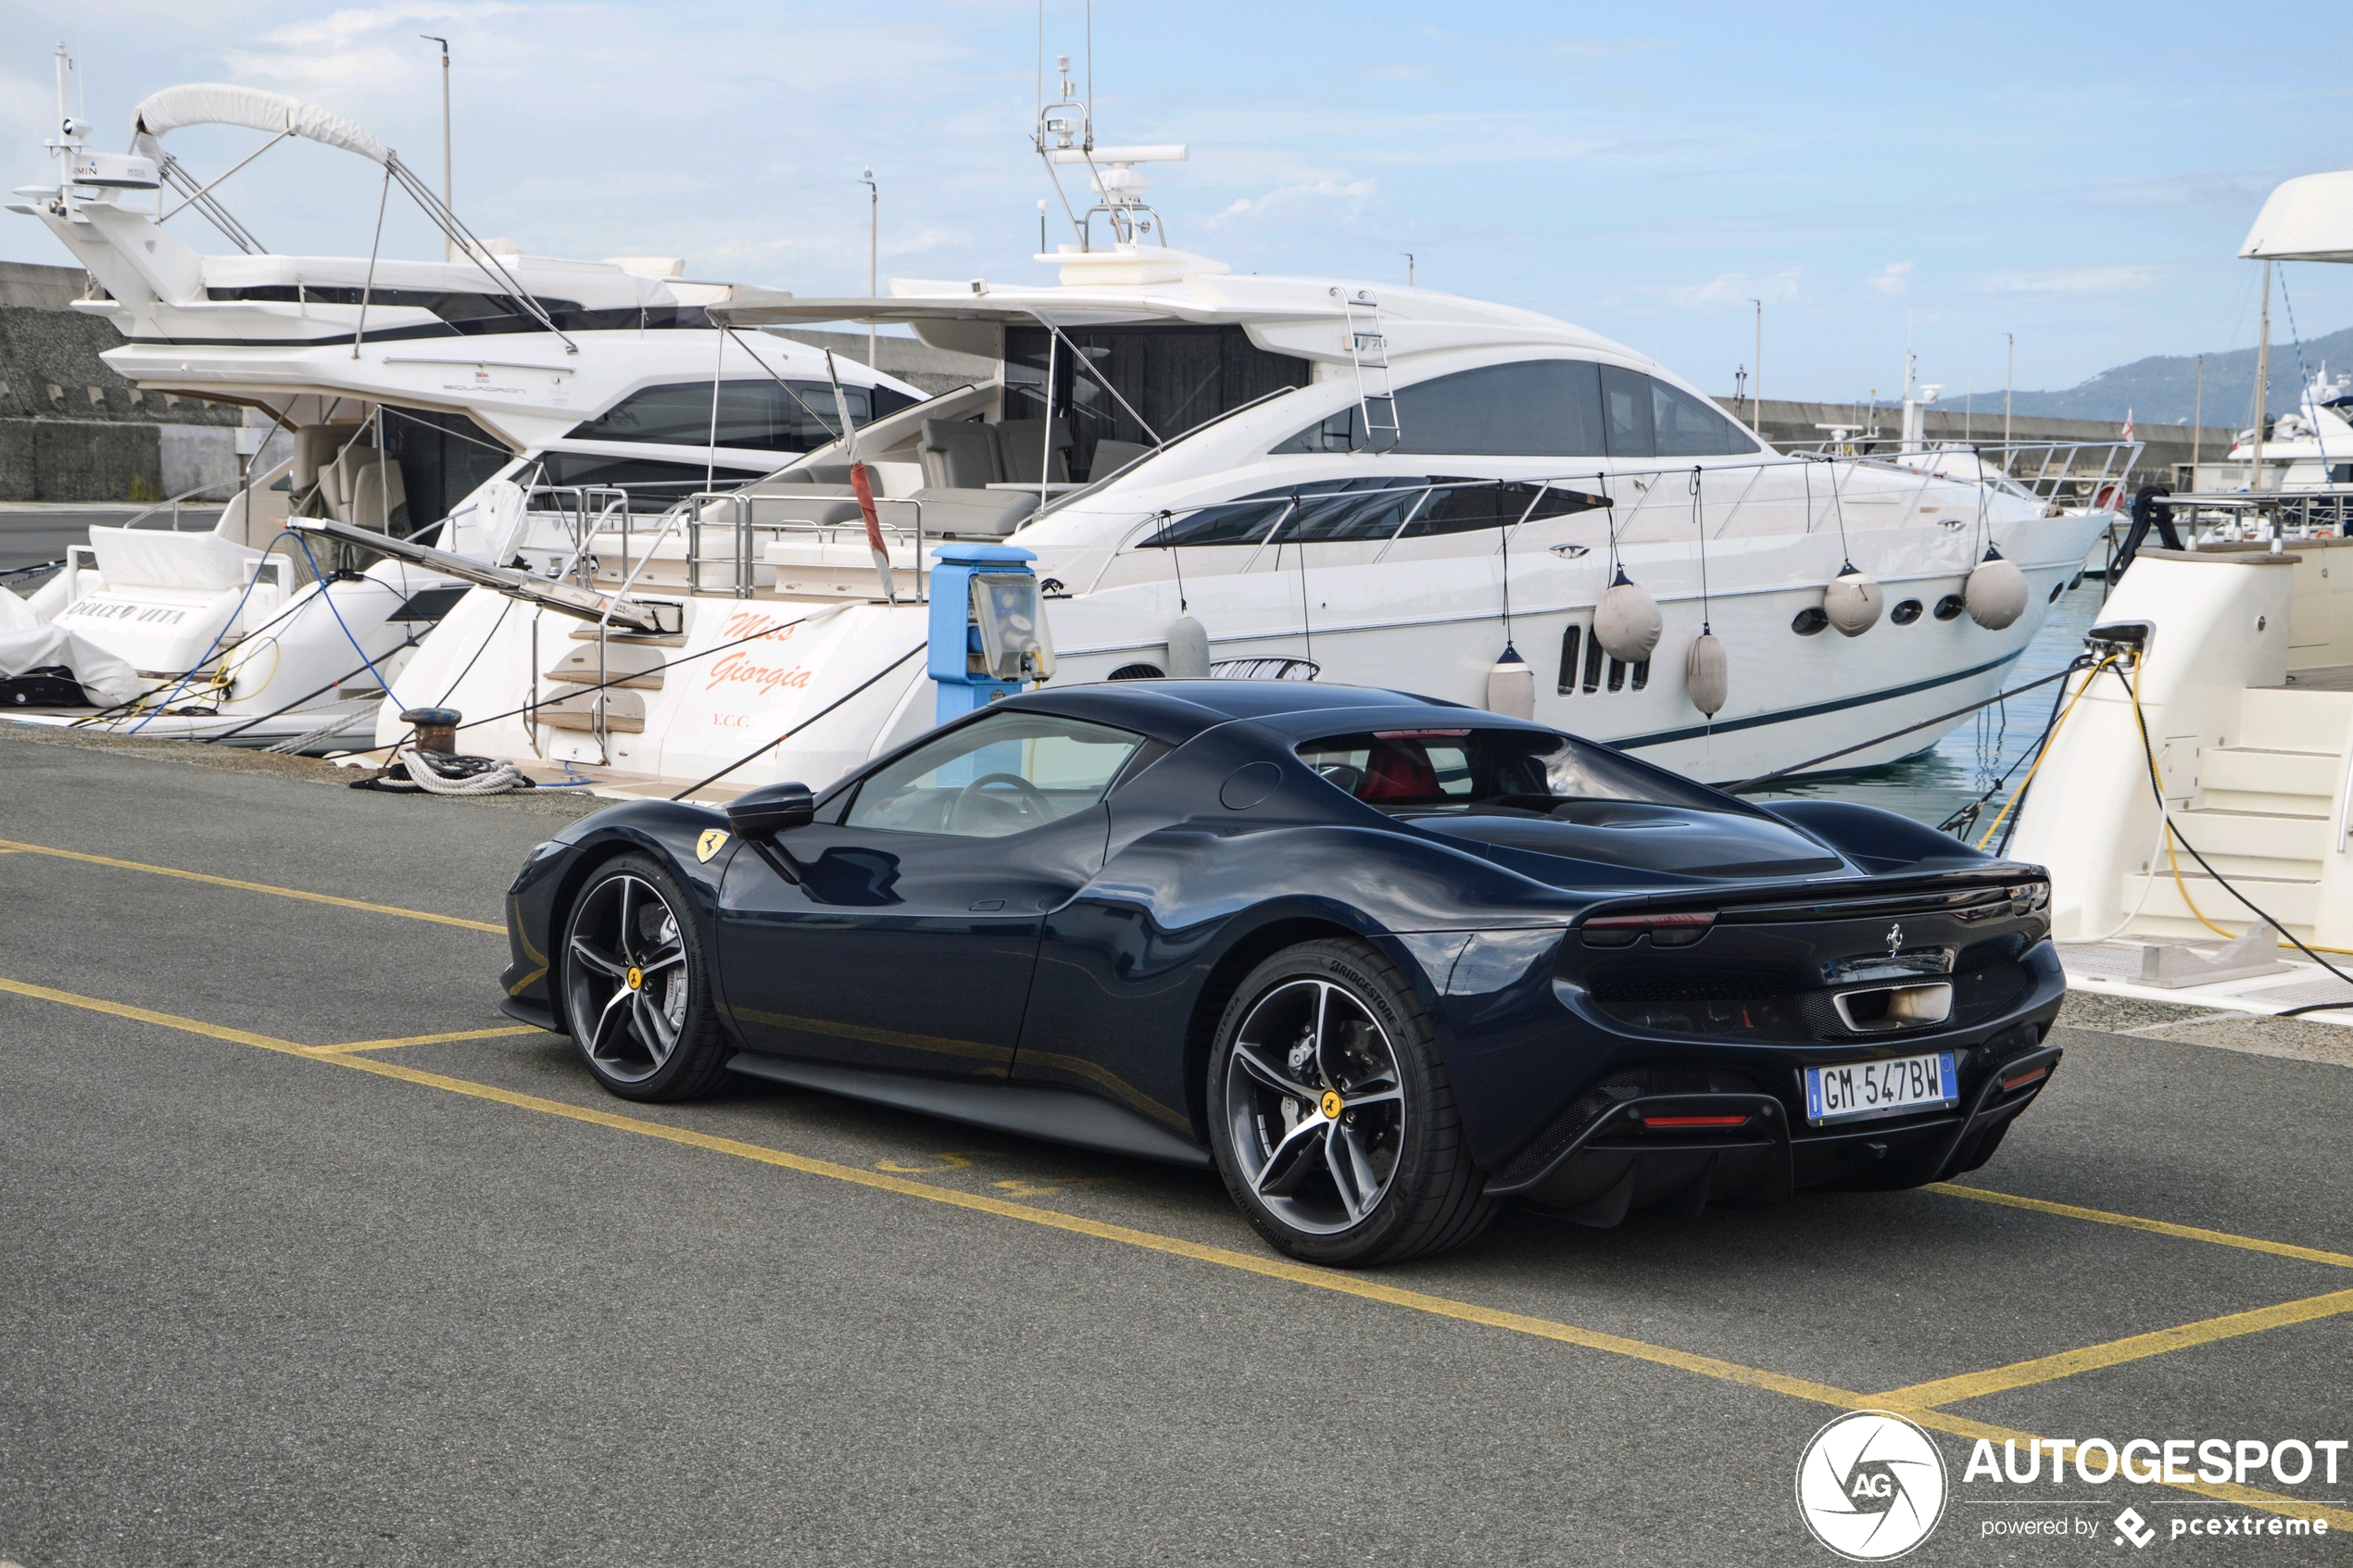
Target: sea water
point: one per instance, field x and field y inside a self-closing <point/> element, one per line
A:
<point x="1940" y="780"/>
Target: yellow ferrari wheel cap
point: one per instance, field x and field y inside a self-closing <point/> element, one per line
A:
<point x="1333" y="1105"/>
<point x="711" y="843"/>
<point x="636" y="977"/>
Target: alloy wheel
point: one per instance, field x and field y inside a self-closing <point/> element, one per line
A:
<point x="1316" y="1105"/>
<point x="627" y="978"/>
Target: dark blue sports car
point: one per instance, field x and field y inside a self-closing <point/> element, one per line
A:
<point x="1386" y="962"/>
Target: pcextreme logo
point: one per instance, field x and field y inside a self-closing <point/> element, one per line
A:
<point x="1871" y="1485"/>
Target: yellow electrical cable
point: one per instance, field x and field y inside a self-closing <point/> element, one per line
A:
<point x="2019" y="793"/>
<point x="2165" y="819"/>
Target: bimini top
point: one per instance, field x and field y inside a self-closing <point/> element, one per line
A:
<point x="217" y="103"/>
<point x="2309" y="219"/>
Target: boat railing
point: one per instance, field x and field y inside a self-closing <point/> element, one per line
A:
<point x="725" y="540"/>
<point x="174" y="502"/>
<point x="2054" y="472"/>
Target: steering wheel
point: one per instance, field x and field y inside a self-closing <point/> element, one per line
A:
<point x="1031" y="795"/>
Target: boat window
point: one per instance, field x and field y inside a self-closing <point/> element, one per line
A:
<point x="1688" y="426"/>
<point x="653" y="485"/>
<point x="1469" y="507"/>
<point x="442" y="457"/>
<point x="1420" y="769"/>
<point x="758" y="414"/>
<point x="1368" y="507"/>
<point x="1533" y="407"/>
<point x="471" y="315"/>
<point x="1626" y="398"/>
<point x="1005" y="774"/>
<point x="1174" y="377"/>
<point x="1373" y="506"/>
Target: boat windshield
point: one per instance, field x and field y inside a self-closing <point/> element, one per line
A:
<point x="1167" y="380"/>
<point x="1522" y="772"/>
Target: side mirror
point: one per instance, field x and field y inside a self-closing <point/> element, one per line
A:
<point x="771" y="809"/>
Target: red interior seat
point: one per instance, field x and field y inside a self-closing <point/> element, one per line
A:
<point x="1398" y="770"/>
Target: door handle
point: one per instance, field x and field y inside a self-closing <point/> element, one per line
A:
<point x="987" y="904"/>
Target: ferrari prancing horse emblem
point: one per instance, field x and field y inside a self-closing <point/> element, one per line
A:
<point x="711" y="843"/>
<point x="1894" y="933"/>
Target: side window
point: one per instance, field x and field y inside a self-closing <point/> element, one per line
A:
<point x="758" y="414"/>
<point x="1467" y="507"/>
<point x="1368" y="507"/>
<point x="1692" y="427"/>
<point x="1005" y="774"/>
<point x="1626" y="398"/>
<point x="1535" y="408"/>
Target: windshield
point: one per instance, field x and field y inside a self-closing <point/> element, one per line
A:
<point x="1519" y="772"/>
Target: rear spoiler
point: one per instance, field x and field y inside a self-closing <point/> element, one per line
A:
<point x="651" y="616"/>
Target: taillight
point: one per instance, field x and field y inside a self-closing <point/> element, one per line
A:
<point x="1694" y="1121"/>
<point x="1679" y="929"/>
<point x="2023" y="1079"/>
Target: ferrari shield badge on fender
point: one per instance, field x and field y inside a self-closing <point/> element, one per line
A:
<point x="711" y="843"/>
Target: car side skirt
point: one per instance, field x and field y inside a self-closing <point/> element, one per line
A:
<point x="1063" y="1116"/>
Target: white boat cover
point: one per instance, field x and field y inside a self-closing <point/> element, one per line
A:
<point x="2309" y="219"/>
<point x="214" y="103"/>
<point x="27" y="642"/>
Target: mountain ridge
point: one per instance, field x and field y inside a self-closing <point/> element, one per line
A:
<point x="2163" y="388"/>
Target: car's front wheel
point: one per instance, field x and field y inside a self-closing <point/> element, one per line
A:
<point x="1331" y="1116"/>
<point x="636" y="988"/>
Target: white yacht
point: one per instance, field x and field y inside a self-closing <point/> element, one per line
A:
<point x="1320" y="477"/>
<point x="2198" y="790"/>
<point x="493" y="404"/>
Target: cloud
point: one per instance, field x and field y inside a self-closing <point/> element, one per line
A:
<point x="1731" y="289"/>
<point x="1891" y="280"/>
<point x="1351" y="195"/>
<point x="2073" y="280"/>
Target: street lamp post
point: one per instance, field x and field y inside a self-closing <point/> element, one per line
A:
<point x="2010" y="380"/>
<point x="1756" y="364"/>
<point x="448" y="246"/>
<point x="874" y="238"/>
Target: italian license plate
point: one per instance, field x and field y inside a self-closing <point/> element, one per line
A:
<point x="1880" y="1088"/>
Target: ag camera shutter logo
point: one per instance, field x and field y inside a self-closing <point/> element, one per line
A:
<point x="1871" y="1485"/>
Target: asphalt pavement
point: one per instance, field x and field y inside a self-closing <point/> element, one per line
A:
<point x="277" y="1291"/>
<point x="34" y="535"/>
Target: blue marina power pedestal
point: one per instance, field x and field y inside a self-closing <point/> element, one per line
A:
<point x="988" y="626"/>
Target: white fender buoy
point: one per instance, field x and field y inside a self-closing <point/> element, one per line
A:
<point x="1626" y="621"/>
<point x="1707" y="673"/>
<point x="1187" y="649"/>
<point x="1511" y="686"/>
<point x="1996" y="592"/>
<point x="1853" y="601"/>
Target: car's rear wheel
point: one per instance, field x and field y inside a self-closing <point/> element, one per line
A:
<point x="636" y="990"/>
<point x="1331" y="1116"/>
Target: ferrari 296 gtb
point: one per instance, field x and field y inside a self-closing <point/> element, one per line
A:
<point x="1386" y="963"/>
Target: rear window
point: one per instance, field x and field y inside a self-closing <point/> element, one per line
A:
<point x="1426" y="770"/>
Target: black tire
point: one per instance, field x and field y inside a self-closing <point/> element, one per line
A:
<point x="1396" y="1181"/>
<point x="633" y="985"/>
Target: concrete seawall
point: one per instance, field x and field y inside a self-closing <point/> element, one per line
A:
<point x="70" y="428"/>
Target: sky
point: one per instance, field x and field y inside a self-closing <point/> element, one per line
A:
<point x="2079" y="176"/>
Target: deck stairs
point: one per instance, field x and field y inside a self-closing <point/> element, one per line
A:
<point x="2260" y="807"/>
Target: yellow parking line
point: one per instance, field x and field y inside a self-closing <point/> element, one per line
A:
<point x="148" y="1015"/>
<point x="428" y="1039"/>
<point x="2160" y="1227"/>
<point x="1339" y="1282"/>
<point x="252" y="887"/>
<point x="2115" y="1352"/>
